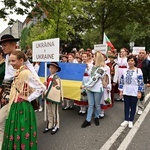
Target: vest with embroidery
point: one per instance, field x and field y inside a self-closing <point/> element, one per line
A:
<point x="54" y="89"/>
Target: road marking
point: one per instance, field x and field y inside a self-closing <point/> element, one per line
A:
<point x="112" y="139"/>
<point x="124" y="145"/>
<point x="118" y="132"/>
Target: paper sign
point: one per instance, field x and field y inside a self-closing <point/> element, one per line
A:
<point x="46" y="50"/>
<point x="137" y="49"/>
<point x="101" y="47"/>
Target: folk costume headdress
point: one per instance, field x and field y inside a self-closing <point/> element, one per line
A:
<point x="8" y="38"/>
<point x="54" y="64"/>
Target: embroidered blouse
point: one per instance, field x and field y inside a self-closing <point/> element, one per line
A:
<point x="122" y="62"/>
<point x="94" y="83"/>
<point x="131" y="82"/>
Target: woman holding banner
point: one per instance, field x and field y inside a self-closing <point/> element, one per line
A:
<point x="94" y="89"/>
<point x="67" y="102"/>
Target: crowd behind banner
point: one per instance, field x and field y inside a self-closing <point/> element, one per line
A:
<point x="115" y="64"/>
<point x="116" y="76"/>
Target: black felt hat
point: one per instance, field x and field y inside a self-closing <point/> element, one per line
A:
<point x="8" y="37"/>
<point x="54" y="64"/>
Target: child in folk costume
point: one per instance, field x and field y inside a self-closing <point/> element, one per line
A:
<point x="53" y="98"/>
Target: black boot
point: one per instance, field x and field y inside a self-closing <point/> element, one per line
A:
<point x="96" y="120"/>
<point x="85" y="124"/>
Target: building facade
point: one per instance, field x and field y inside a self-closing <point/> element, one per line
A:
<point x="14" y="30"/>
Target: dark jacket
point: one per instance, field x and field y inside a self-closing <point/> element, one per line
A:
<point x="146" y="71"/>
<point x="2" y="72"/>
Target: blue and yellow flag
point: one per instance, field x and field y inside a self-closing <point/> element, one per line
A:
<point x="71" y="75"/>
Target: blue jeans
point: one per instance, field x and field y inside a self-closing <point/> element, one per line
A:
<point x="94" y="99"/>
<point x="130" y="103"/>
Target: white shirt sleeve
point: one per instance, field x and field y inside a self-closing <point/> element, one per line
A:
<point x="31" y="68"/>
<point x="37" y="67"/>
<point x="115" y="80"/>
<point x="38" y="87"/>
<point x="9" y="70"/>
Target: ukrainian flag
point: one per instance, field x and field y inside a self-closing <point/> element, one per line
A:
<point x="71" y="75"/>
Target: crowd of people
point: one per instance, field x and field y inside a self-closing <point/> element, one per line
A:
<point x="128" y="76"/>
<point x="115" y="76"/>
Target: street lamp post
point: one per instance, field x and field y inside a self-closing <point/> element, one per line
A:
<point x="131" y="46"/>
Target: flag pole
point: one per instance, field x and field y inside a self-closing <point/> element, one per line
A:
<point x="45" y="115"/>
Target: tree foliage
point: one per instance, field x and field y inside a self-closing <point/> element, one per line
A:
<point x="19" y="7"/>
<point x="83" y="22"/>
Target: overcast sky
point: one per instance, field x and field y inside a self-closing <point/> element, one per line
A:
<point x="4" y="24"/>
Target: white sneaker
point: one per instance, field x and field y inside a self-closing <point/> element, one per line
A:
<point x="83" y="111"/>
<point x="80" y="112"/>
<point x="66" y="108"/>
<point x="101" y="115"/>
<point x="139" y="112"/>
<point x="125" y="123"/>
<point x="41" y="109"/>
<point x="130" y="124"/>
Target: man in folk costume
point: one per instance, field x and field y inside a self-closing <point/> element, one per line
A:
<point x="9" y="44"/>
<point x="114" y="75"/>
<point x="53" y="98"/>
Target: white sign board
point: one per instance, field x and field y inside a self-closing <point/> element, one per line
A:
<point x="137" y="49"/>
<point x="46" y="50"/>
<point x="101" y="47"/>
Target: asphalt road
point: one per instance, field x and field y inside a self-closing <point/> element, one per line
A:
<point x="72" y="137"/>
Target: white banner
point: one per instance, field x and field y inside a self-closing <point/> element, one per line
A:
<point x="45" y="50"/>
<point x="101" y="47"/>
<point x="137" y="49"/>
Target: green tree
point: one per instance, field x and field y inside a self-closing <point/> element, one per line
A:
<point x="24" y="36"/>
<point x="84" y="21"/>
